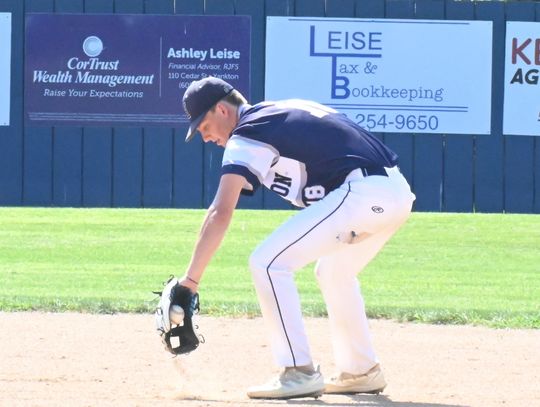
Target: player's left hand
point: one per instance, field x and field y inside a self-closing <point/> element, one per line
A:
<point x="191" y="284"/>
<point x="176" y="294"/>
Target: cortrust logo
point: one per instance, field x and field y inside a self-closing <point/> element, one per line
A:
<point x="92" y="47"/>
<point x="92" y="64"/>
<point x="88" y="70"/>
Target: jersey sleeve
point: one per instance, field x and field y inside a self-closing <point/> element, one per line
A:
<point x="250" y="158"/>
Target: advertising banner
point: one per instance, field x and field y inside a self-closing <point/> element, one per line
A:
<point x="132" y="70"/>
<point x="394" y="76"/>
<point x="521" y="73"/>
<point x="5" y="68"/>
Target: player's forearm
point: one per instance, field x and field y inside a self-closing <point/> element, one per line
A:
<point x="211" y="235"/>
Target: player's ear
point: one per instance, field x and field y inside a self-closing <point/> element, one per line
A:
<point x="222" y="108"/>
<point x="228" y="110"/>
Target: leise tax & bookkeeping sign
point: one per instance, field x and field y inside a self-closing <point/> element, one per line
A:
<point x="398" y="76"/>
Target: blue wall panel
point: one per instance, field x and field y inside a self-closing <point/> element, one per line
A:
<point x="97" y="144"/>
<point x="370" y="8"/>
<point x="188" y="171"/>
<point x="69" y="6"/>
<point x="127" y="167"/>
<point x="309" y="8"/>
<point x="340" y="8"/>
<point x="519" y="151"/>
<point x="489" y="194"/>
<point x="213" y="154"/>
<point x="459" y="149"/>
<point x="158" y="143"/>
<point x="11" y="137"/>
<point x="97" y="167"/>
<point x="38" y="145"/>
<point x="128" y="6"/>
<point x="157" y="167"/>
<point x="37" y="175"/>
<point x="402" y="143"/>
<point x="188" y="164"/>
<point x="428" y="148"/>
<point x="67" y="166"/>
<point x="158" y="6"/>
<point x="67" y="144"/>
<point x="127" y="156"/>
<point x="190" y="7"/>
<point x="99" y="6"/>
<point x="279" y="7"/>
<point x="39" y="6"/>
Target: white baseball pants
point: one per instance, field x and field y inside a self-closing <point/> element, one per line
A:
<point x="343" y="232"/>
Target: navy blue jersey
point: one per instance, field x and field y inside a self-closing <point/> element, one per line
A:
<point x="300" y="149"/>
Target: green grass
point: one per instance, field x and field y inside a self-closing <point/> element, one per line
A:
<point x="439" y="268"/>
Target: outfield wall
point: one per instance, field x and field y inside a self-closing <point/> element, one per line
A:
<point x="153" y="167"/>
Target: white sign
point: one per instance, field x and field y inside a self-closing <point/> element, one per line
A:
<point x="394" y="76"/>
<point x="521" y="79"/>
<point x="5" y="67"/>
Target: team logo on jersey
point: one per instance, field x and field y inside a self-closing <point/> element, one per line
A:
<point x="377" y="209"/>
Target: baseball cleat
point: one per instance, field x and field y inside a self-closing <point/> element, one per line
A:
<point x="371" y="382"/>
<point x="290" y="384"/>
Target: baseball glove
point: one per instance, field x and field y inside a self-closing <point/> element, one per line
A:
<point x="176" y="294"/>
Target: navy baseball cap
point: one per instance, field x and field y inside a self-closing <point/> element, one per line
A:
<point x="199" y="98"/>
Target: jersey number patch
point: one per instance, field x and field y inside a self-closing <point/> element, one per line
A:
<point x="313" y="194"/>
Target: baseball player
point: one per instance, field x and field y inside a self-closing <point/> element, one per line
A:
<point x="354" y="199"/>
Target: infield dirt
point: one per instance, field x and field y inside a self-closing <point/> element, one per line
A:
<point x="117" y="360"/>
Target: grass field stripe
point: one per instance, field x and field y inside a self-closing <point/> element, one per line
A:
<point x="80" y="260"/>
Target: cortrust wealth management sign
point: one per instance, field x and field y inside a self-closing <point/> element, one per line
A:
<point x="129" y="70"/>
